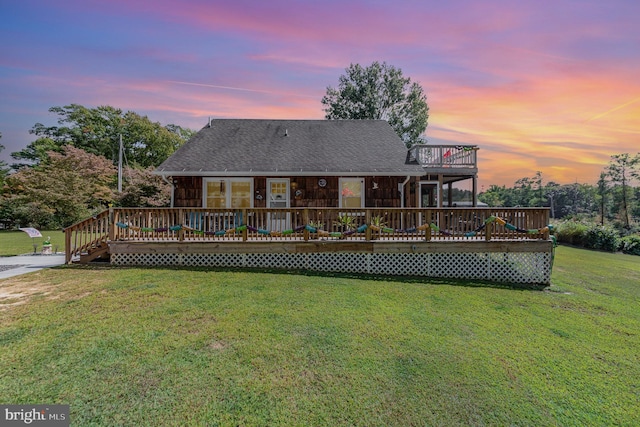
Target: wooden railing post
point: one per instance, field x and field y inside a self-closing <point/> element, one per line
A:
<point x="487" y="231"/>
<point x="305" y="220"/>
<point x="67" y="246"/>
<point x="427" y="232"/>
<point x="545" y="223"/>
<point x="112" y="224"/>
<point x="180" y="222"/>
<point x="367" y="221"/>
<point x="245" y="221"/>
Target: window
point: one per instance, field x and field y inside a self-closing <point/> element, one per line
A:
<point x="215" y="193"/>
<point x="228" y="193"/>
<point x="277" y="192"/>
<point x="351" y="193"/>
<point x="240" y="194"/>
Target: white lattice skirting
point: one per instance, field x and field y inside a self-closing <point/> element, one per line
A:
<point x="510" y="267"/>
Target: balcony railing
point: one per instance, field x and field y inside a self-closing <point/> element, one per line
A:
<point x="445" y="156"/>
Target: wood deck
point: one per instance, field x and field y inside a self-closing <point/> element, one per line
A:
<point x="505" y="244"/>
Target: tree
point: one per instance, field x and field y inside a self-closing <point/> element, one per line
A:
<point x="97" y="131"/>
<point x="551" y="190"/>
<point x="497" y="196"/>
<point x="72" y="185"/>
<point x="4" y="170"/>
<point x="621" y="170"/>
<point x="379" y="91"/>
<point x="602" y="196"/>
<point x="574" y="200"/>
<point x="35" y="152"/>
<point x="141" y="188"/>
<point x="61" y="190"/>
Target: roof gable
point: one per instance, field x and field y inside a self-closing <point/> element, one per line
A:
<point x="301" y="147"/>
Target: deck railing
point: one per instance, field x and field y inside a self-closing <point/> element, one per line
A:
<point x="304" y="224"/>
<point x="85" y="235"/>
<point x="197" y="224"/>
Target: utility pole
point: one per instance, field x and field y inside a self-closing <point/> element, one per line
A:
<point x="120" y="166"/>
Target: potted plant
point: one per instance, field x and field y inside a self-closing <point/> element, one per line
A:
<point x="316" y="224"/>
<point x="318" y="227"/>
<point x="345" y="223"/>
<point x="377" y="223"/>
<point x="46" y="246"/>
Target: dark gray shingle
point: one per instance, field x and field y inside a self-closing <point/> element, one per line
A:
<point x="302" y="147"/>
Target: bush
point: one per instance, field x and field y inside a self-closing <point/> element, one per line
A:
<point x="631" y="245"/>
<point x="605" y="238"/>
<point x="571" y="232"/>
<point x="592" y="236"/>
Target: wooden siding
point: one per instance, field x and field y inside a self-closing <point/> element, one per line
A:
<point x="305" y="192"/>
<point x="187" y="191"/>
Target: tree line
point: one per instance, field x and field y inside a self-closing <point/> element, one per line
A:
<point x="69" y="172"/>
<point x="613" y="200"/>
<point x="604" y="216"/>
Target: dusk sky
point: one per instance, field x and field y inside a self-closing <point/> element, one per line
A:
<point x="544" y="85"/>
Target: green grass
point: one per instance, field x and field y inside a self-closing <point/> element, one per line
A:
<point x="19" y="242"/>
<point x="161" y="347"/>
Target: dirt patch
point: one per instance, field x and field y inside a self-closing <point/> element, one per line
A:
<point x="18" y="292"/>
<point x="217" y="345"/>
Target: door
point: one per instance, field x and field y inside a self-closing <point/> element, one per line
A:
<point x="429" y="197"/>
<point x="278" y="197"/>
<point x="229" y="196"/>
<point x="429" y="194"/>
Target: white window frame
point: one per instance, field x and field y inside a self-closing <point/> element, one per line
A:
<point x="287" y="198"/>
<point x="227" y="183"/>
<point x="362" y="190"/>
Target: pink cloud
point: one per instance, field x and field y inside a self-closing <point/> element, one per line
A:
<point x="549" y="86"/>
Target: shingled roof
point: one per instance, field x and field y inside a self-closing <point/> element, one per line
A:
<point x="247" y="147"/>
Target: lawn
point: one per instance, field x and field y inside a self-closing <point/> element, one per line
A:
<point x="19" y="242"/>
<point x="196" y="347"/>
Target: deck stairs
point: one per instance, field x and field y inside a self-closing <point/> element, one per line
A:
<point x="100" y="250"/>
<point x="87" y="240"/>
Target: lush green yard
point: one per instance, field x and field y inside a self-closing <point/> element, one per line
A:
<point x="162" y="347"/>
<point x="19" y="242"/>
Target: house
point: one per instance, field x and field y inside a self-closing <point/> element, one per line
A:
<point x="234" y="163"/>
<point x="321" y="195"/>
<point x="291" y="163"/>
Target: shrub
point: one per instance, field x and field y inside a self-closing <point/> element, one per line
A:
<point x="571" y="232"/>
<point x="631" y="244"/>
<point x="602" y="237"/>
<point x="592" y="236"/>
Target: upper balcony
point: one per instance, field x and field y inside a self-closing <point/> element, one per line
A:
<point x="445" y="159"/>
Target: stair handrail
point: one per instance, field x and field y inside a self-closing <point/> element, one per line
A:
<point x="86" y="234"/>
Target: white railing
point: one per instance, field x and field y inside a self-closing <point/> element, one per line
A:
<point x="445" y="156"/>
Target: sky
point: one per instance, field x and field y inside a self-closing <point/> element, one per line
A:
<point x="538" y="85"/>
